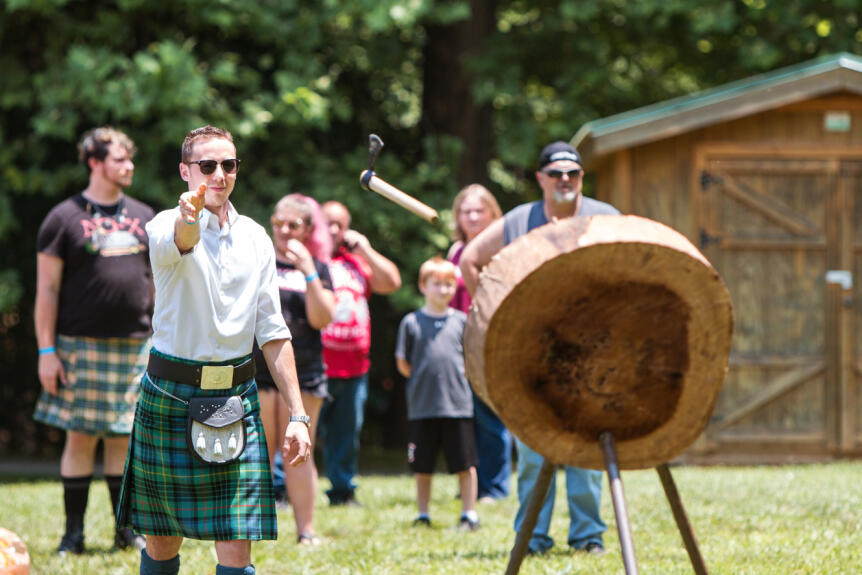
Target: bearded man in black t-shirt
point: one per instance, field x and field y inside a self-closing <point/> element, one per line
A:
<point x="94" y="299"/>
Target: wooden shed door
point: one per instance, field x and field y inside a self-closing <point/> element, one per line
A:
<point x="780" y="231"/>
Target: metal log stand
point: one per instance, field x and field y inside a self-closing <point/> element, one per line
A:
<point x="540" y="490"/>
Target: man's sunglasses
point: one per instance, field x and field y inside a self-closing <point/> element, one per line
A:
<point x="229" y="166"/>
<point x="293" y="225"/>
<point x="557" y="174"/>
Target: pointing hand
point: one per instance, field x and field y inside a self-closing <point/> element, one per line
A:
<point x="192" y="202"/>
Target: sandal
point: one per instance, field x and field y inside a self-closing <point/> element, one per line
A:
<point x="308" y="539"/>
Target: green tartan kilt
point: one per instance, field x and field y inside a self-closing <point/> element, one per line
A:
<point x="168" y="491"/>
<point x="103" y="380"/>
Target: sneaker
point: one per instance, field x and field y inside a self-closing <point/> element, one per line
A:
<point x="71" y="543"/>
<point x="346" y="501"/>
<point x="422" y="522"/>
<point x="466" y="524"/>
<point x="594" y="549"/>
<point x="125" y="538"/>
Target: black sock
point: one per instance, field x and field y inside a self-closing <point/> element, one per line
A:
<point x="76" y="491"/>
<point x="115" y="482"/>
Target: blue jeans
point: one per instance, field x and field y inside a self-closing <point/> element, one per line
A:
<point x="494" y="444"/>
<point x="583" y="494"/>
<point x="340" y="423"/>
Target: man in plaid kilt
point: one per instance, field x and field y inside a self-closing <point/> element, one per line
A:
<point x="214" y="273"/>
<point x="93" y="303"/>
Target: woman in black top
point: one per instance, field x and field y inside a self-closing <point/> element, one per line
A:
<point x="302" y="245"/>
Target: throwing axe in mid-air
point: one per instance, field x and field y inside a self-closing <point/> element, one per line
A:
<point x="371" y="181"/>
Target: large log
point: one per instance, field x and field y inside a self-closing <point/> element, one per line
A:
<point x="602" y="323"/>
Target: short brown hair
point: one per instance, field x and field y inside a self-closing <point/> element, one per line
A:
<point x="204" y="133"/>
<point x="484" y="195"/>
<point x="439" y="268"/>
<point x="95" y="143"/>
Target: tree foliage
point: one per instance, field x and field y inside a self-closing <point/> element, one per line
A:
<point x="302" y="84"/>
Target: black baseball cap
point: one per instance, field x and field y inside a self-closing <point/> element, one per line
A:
<point x="558" y="151"/>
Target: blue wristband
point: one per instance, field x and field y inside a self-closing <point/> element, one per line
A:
<point x="311" y="277"/>
<point x="200" y="215"/>
<point x="46" y="350"/>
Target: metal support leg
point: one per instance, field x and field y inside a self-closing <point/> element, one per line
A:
<point x="619" y="499"/>
<point x="531" y="517"/>
<point x="681" y="519"/>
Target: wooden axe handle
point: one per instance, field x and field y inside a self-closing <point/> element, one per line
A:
<point x="371" y="182"/>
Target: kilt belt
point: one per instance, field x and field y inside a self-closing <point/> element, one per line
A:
<point x="200" y="375"/>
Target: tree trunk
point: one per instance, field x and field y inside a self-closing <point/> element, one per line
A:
<point x="447" y="104"/>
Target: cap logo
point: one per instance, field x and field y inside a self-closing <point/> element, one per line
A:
<point x="557" y="156"/>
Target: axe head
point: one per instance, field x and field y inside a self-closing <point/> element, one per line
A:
<point x="375" y="144"/>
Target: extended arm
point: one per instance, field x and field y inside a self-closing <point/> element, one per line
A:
<point x="187" y="229"/>
<point x="479" y="252"/>
<point x="279" y="358"/>
<point x="49" y="275"/>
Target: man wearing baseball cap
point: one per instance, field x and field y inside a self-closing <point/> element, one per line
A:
<point x="560" y="176"/>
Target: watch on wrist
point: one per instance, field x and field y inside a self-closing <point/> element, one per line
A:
<point x="302" y="419"/>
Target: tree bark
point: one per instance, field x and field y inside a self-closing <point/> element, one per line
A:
<point x="448" y="107"/>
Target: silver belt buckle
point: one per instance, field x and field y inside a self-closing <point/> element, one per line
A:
<point x="217" y="377"/>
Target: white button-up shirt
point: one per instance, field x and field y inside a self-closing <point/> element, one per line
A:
<point x="212" y="300"/>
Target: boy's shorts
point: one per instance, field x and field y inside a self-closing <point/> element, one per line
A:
<point x="457" y="437"/>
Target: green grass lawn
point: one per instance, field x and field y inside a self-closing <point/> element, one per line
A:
<point x="754" y="520"/>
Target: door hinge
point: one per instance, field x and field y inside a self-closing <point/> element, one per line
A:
<point x="707" y="179"/>
<point x="706" y="239"/>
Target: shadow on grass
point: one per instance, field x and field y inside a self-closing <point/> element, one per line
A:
<point x="35" y="478"/>
<point x="444" y="556"/>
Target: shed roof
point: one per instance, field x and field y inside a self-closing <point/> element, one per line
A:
<point x="803" y="81"/>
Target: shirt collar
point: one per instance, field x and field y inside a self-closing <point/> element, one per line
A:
<point x="209" y="219"/>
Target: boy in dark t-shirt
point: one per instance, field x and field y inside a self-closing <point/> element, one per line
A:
<point x="429" y="353"/>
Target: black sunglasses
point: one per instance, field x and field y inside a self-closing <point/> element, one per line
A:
<point x="230" y="165"/>
<point x="557" y="174"/>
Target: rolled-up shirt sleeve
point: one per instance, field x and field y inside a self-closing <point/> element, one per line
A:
<point x="269" y="323"/>
<point x="163" y="249"/>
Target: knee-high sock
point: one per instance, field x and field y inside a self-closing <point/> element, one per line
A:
<point x="76" y="491"/>
<point x="115" y="482"/>
<point x="150" y="566"/>
<point x="222" y="570"/>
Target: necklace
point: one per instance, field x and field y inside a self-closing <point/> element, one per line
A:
<point x="99" y="217"/>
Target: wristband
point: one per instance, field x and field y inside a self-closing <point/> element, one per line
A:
<point x="47" y="350"/>
<point x="311" y="277"/>
<point x="200" y="215"/>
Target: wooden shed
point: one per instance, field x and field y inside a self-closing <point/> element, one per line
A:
<point x="764" y="175"/>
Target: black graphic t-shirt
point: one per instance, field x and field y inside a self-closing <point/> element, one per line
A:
<point x="105" y="289"/>
<point x="307" y="347"/>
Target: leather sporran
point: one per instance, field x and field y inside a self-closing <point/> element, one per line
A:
<point x="215" y="432"/>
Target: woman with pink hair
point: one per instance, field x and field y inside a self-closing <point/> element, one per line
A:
<point x="302" y="246"/>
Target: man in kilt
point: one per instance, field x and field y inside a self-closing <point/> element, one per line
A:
<point x="214" y="273"/>
<point x="93" y="303"/>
